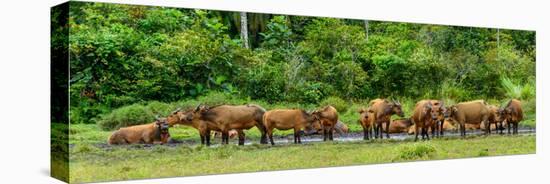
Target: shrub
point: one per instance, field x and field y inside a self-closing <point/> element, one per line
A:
<point x="416" y="151"/>
<point x="340" y="105"/>
<point x="126" y="116"/>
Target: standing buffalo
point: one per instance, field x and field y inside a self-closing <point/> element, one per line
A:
<point x="494" y="119"/>
<point x="186" y="118"/>
<point x="224" y="118"/>
<point x="439" y="109"/>
<point x="473" y="112"/>
<point x="382" y="110"/>
<point x="366" y="121"/>
<point x="152" y="133"/>
<point x="512" y="114"/>
<point x="284" y="119"/>
<point x="424" y="118"/>
<point x="328" y="117"/>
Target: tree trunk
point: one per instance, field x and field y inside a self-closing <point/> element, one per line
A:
<point x="244" y="30"/>
<point x="367" y="29"/>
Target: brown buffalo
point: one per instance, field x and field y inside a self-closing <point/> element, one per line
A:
<point x="512" y="113"/>
<point x="495" y="122"/>
<point x="382" y="110"/>
<point x="439" y="109"/>
<point x="204" y="128"/>
<point x="152" y="133"/>
<point x="424" y="118"/>
<point x="399" y="126"/>
<point x="328" y="117"/>
<point x="224" y="118"/>
<point x="366" y="121"/>
<point x="284" y="119"/>
<point x="473" y="112"/>
<point x="340" y="128"/>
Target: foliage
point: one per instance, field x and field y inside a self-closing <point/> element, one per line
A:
<point x="340" y="105"/>
<point x="416" y="151"/>
<point x="126" y="54"/>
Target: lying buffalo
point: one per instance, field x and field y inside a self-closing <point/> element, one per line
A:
<point x="382" y="110"/>
<point x="328" y="117"/>
<point x="366" y="121"/>
<point x="512" y="113"/>
<point x="284" y="119"/>
<point x="152" y="133"/>
<point x="399" y="126"/>
<point x="473" y="112"/>
<point x="340" y="128"/>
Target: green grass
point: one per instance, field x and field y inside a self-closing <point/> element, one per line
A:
<point x="120" y="163"/>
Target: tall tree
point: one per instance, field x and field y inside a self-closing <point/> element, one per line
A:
<point x="367" y="29"/>
<point x="244" y="29"/>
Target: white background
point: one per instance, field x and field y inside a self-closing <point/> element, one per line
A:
<point x="24" y="90"/>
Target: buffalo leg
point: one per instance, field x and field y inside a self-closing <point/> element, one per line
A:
<point x="241" y="137"/>
<point x="330" y="131"/>
<point x="375" y="126"/>
<point x="270" y="135"/>
<point x="441" y="128"/>
<point x="508" y="125"/>
<point x="365" y="134"/>
<point x="202" y="139"/>
<point x="207" y="137"/>
<point x="515" y="127"/>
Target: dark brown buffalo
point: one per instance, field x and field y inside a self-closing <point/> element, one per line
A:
<point x="382" y="110"/>
<point x="366" y="121"/>
<point x="328" y="117"/>
<point x="423" y="118"/>
<point x="152" y="133"/>
<point x="224" y="118"/>
<point x="473" y="112"/>
<point x="399" y="126"/>
<point x="284" y="119"/>
<point x="512" y="113"/>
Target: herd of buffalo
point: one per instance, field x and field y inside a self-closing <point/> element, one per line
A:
<point x="429" y="116"/>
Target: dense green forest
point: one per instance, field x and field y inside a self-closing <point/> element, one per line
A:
<point x="124" y="54"/>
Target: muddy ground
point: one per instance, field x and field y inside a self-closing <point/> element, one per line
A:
<point x="309" y="139"/>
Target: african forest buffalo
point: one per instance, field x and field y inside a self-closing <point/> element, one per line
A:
<point x="494" y="119"/>
<point x="512" y="113"/>
<point x="185" y="118"/>
<point x="224" y="118"/>
<point x="328" y="117"/>
<point x="473" y="112"/>
<point x="399" y="126"/>
<point x="439" y="109"/>
<point x="340" y="128"/>
<point x="366" y="121"/>
<point x="152" y="133"/>
<point x="423" y="118"/>
<point x="382" y="110"/>
<point x="284" y="119"/>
